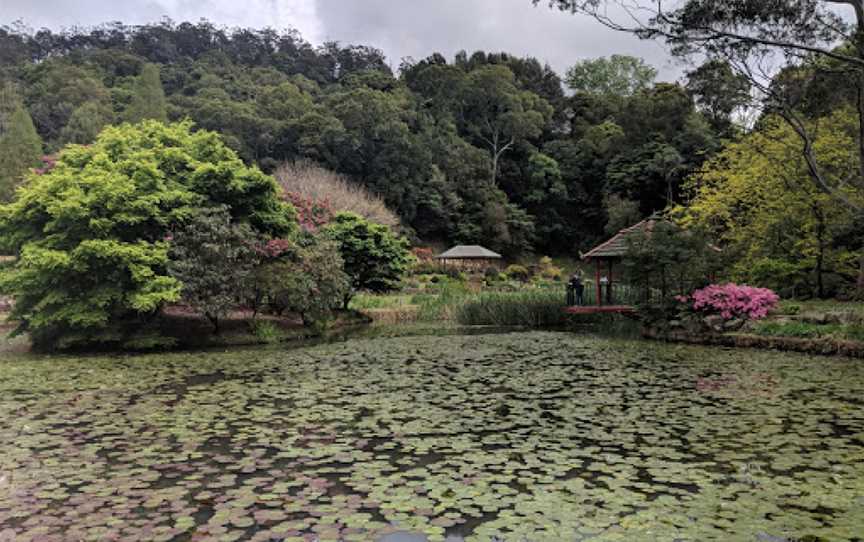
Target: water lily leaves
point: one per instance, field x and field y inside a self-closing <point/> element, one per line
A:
<point x="534" y="436"/>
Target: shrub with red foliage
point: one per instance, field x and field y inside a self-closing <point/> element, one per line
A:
<point x="311" y="213"/>
<point x="273" y="248"/>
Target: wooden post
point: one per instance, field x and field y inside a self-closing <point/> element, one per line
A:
<point x="599" y="287"/>
<point x="609" y="285"/>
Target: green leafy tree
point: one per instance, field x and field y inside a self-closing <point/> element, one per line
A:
<point x="54" y="89"/>
<point x="309" y="279"/>
<point x="719" y="92"/>
<point x="374" y="257"/>
<point x="621" y="213"/>
<point x="757" y="198"/>
<point x="752" y="34"/>
<point x="20" y="150"/>
<point x="90" y="233"/>
<point x="213" y="259"/>
<point x="618" y="75"/>
<point x="86" y="123"/>
<point x="499" y="114"/>
<point x="667" y="259"/>
<point x="148" y="97"/>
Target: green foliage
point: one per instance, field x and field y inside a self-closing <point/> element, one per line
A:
<point x="518" y="272"/>
<point x="90" y="233"/>
<point x="308" y="279"/>
<point x="780" y="230"/>
<point x="375" y="258"/>
<point x="148" y="98"/>
<point x="20" y="149"/>
<point x="618" y="75"/>
<point x="719" y="92"/>
<point x="534" y="308"/>
<point x="86" y="122"/>
<point x="548" y="270"/>
<point x="212" y="258"/>
<point x="266" y="332"/>
<point x="790" y="308"/>
<point x="491" y="273"/>
<point x="498" y="113"/>
<point x="668" y="260"/>
<point x="443" y="302"/>
<point x="801" y="330"/>
<point x="621" y="212"/>
<point x="481" y="149"/>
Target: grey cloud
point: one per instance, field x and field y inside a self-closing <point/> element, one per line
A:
<point x="55" y="14"/>
<point x="417" y="28"/>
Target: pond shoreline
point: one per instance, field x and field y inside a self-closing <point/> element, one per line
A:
<point x="820" y="347"/>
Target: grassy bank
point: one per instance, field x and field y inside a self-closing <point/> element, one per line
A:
<point x="534" y="306"/>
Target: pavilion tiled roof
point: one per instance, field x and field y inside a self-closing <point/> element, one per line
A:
<point x="468" y="252"/>
<point x="616" y="247"/>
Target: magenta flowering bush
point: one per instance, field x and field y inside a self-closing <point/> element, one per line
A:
<point x="733" y="301"/>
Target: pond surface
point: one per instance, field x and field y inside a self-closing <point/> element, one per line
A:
<point x="516" y="437"/>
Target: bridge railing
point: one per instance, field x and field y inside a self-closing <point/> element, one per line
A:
<point x="617" y="293"/>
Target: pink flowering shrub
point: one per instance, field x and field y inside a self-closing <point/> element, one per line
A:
<point x="733" y="301"/>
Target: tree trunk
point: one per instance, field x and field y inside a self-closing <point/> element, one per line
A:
<point x="860" y="282"/>
<point x="820" y="254"/>
<point x="495" y="156"/>
<point x="215" y="321"/>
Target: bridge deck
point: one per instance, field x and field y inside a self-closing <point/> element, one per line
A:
<point x="594" y="309"/>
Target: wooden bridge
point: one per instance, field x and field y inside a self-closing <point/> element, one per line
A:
<point x="607" y="295"/>
<point x="603" y="309"/>
<point x="607" y="298"/>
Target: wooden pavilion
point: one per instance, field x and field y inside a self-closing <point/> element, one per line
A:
<point x="605" y="256"/>
<point x="470" y="257"/>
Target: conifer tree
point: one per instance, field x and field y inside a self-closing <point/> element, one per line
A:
<point x="20" y="149"/>
<point x="148" y="97"/>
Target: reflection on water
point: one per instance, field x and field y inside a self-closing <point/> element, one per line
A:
<point x="496" y="435"/>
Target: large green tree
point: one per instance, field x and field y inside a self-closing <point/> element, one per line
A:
<point x="617" y="75"/>
<point x="90" y="234"/>
<point x="374" y="257"/>
<point x="778" y="229"/>
<point x="499" y="114"/>
<point x="213" y="259"/>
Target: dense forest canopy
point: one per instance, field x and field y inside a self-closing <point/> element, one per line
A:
<point x="483" y="148"/>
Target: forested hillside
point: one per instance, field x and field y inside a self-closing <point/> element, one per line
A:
<point x="485" y="147"/>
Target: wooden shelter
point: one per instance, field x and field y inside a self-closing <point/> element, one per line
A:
<point x="472" y="257"/>
<point x="605" y="256"/>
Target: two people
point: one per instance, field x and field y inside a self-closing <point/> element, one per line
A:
<point x="575" y="290"/>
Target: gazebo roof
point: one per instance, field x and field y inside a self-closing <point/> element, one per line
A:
<point x="616" y="247"/>
<point x="466" y="252"/>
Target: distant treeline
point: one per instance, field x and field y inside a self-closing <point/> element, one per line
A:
<point x="484" y="148"/>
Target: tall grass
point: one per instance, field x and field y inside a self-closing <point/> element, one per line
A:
<point x="378" y="301"/>
<point x="528" y="308"/>
<point x="443" y="303"/>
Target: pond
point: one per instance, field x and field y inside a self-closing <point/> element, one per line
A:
<point x="532" y="436"/>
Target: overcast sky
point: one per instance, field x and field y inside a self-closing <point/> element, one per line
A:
<point x="402" y="28"/>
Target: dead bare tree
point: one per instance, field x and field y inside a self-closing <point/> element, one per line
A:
<point x="341" y="193"/>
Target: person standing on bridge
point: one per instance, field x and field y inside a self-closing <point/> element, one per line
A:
<point x="576" y="290"/>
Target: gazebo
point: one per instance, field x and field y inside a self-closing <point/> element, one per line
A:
<point x="604" y="257"/>
<point x="470" y="257"/>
